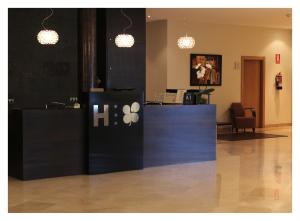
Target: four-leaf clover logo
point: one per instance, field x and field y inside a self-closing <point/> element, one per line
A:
<point x="131" y="113"/>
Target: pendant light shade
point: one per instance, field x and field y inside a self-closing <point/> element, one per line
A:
<point x="124" y="40"/>
<point x="47" y="36"/>
<point x="186" y="42"/>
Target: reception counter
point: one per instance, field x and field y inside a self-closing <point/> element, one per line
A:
<point x="58" y="142"/>
<point x="179" y="134"/>
<point x="46" y="143"/>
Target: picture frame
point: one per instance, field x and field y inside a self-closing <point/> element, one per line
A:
<point x="205" y="70"/>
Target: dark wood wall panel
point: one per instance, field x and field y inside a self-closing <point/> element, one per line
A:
<point x="126" y="67"/>
<point x="101" y="47"/>
<point x="38" y="74"/>
<point x="88" y="48"/>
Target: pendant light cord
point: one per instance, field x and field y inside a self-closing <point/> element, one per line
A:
<point x="46" y="18"/>
<point x="128" y="18"/>
<point x="185" y="26"/>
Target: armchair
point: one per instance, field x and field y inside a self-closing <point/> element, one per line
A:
<point x="239" y="118"/>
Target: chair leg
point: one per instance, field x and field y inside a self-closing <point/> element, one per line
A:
<point x="244" y="130"/>
<point x="253" y="129"/>
<point x="236" y="130"/>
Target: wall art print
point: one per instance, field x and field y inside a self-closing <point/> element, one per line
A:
<point x="206" y="70"/>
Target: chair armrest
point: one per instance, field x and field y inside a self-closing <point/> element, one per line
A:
<point x="252" y="109"/>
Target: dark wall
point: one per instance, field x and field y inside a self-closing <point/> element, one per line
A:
<point x="38" y="74"/>
<point x="125" y="67"/>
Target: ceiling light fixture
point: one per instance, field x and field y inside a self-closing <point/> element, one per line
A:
<point x="186" y="42"/>
<point x="125" y="40"/>
<point x="47" y="36"/>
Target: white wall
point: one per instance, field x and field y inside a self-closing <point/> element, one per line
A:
<point x="232" y="42"/>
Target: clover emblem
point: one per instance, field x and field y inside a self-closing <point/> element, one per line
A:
<point x="131" y="113"/>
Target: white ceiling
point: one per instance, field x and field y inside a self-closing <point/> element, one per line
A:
<point x="259" y="17"/>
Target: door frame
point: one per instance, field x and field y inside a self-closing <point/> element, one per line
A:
<point x="262" y="83"/>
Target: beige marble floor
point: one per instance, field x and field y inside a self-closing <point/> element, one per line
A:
<point x="248" y="176"/>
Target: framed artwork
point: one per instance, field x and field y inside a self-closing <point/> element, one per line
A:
<point x="206" y="70"/>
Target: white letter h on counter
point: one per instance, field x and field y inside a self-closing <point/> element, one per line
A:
<point x="104" y="115"/>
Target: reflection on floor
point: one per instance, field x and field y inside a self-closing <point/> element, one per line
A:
<point x="248" y="176"/>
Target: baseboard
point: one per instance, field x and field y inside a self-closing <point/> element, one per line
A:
<point x="278" y="125"/>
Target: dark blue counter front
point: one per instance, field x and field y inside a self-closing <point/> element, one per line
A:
<point x="167" y="134"/>
<point x="122" y="135"/>
<point x="115" y="131"/>
<point x="179" y="134"/>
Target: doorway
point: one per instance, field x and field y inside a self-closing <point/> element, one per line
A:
<point x="252" y="86"/>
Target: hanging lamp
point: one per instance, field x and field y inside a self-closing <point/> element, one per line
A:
<point x="125" y="40"/>
<point x="186" y="42"/>
<point x="47" y="36"/>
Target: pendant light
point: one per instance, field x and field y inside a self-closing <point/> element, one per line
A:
<point x="125" y="40"/>
<point x="186" y="42"/>
<point x="47" y="36"/>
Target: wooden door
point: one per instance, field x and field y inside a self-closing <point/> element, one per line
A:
<point x="253" y="86"/>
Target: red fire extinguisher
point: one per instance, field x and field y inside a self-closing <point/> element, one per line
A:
<point x="278" y="81"/>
